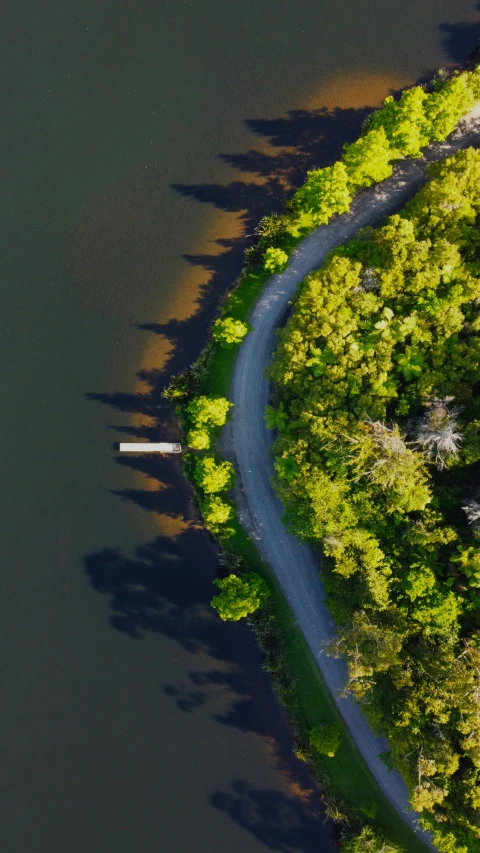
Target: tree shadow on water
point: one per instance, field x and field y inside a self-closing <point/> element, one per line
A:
<point x="460" y="40"/>
<point x="289" y="145"/>
<point x="161" y="590"/>
<point x="283" y="823"/>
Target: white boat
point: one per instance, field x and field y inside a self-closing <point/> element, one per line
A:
<point x="146" y="447"/>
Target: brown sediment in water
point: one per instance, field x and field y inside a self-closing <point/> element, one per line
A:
<point x="355" y="89"/>
<point x="350" y="89"/>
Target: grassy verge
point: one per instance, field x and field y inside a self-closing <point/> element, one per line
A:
<point x="349" y="789"/>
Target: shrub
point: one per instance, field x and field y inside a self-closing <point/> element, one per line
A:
<point x="212" y="477"/>
<point x="404" y="122"/>
<point x="324" y="193"/>
<point x="240" y="596"/>
<point x="370" y="841"/>
<point x="445" y="106"/>
<point x="208" y="411"/>
<point x="326" y="739"/>
<point x="198" y="439"/>
<point x="275" y="260"/>
<point x="216" y="512"/>
<point x="228" y="332"/>
<point x="368" y="159"/>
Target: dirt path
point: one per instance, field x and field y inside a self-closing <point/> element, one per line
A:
<point x="247" y="441"/>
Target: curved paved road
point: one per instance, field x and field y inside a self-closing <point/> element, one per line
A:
<point x="248" y="443"/>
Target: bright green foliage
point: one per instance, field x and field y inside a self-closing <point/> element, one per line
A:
<point x="400" y="129"/>
<point x="208" y="411"/>
<point x="445" y="106"/>
<point x="368" y="159"/>
<point x="377" y="373"/>
<point x="229" y="332"/>
<point x="404" y="122"/>
<point x="324" y="193"/>
<point x="275" y="418"/>
<point x="213" y="477"/>
<point x="326" y="739"/>
<point x="198" y="439"/>
<point x="275" y="260"/>
<point x="370" y="841"/>
<point x="240" y="596"/>
<point x="473" y="80"/>
<point x="216" y="512"/>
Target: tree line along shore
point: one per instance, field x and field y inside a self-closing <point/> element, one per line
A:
<point x="376" y="463"/>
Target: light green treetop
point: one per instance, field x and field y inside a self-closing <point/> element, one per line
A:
<point x="324" y="193"/>
<point x="213" y="477"/>
<point x="228" y="331"/>
<point x="275" y="260"/>
<point x="368" y="159"/>
<point x="240" y="596"/>
<point x="208" y="411"/>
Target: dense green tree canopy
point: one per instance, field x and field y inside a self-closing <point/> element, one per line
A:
<point x="378" y="458"/>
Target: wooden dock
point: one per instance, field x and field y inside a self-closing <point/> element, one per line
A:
<point x="146" y="447"/>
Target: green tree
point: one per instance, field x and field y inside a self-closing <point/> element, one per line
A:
<point x="240" y="596"/>
<point x="326" y="739"/>
<point x="368" y="159"/>
<point x="275" y="260"/>
<point x="445" y="106"/>
<point x="324" y="193"/>
<point x="382" y="455"/>
<point x="228" y="332"/>
<point x="217" y="512"/>
<point x="208" y="411"/>
<point x="276" y="418"/>
<point x="370" y="840"/>
<point x="404" y="122"/>
<point x="198" y="439"/>
<point x="213" y="477"/>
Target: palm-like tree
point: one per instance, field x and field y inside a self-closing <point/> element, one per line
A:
<point x="472" y="510"/>
<point x="438" y="433"/>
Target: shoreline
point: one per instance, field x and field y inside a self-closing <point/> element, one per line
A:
<point x="237" y="435"/>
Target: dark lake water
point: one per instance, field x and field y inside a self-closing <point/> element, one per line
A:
<point x="141" y="143"/>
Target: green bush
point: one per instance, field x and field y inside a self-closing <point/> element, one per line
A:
<point x="217" y="512"/>
<point x="368" y="159"/>
<point x="326" y="739"/>
<point x="229" y="332"/>
<point x="198" y="439"/>
<point x="377" y="457"/>
<point x="212" y="477"/>
<point x="208" y="411"/>
<point x="240" y="596"/>
<point x="404" y="122"/>
<point x="324" y="193"/>
<point x="370" y="841"/>
<point x="275" y="260"/>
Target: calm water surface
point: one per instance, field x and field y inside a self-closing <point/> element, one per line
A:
<point x="141" y="143"/>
